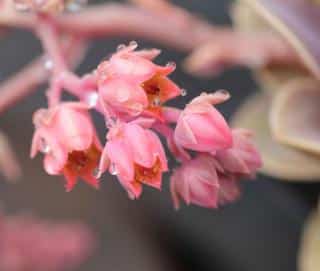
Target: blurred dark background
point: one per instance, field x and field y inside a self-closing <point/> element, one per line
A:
<point x="260" y="232"/>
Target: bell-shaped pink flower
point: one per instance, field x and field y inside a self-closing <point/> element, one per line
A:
<point x="130" y="82"/>
<point x="243" y="158"/>
<point x="196" y="182"/>
<point x="201" y="127"/>
<point x="136" y="156"/>
<point x="201" y="181"/>
<point x="68" y="139"/>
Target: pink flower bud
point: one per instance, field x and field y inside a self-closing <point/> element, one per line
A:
<point x="131" y="83"/>
<point x="196" y="182"/>
<point x="67" y="137"/>
<point x="202" y="181"/>
<point x="243" y="158"/>
<point x="136" y="156"/>
<point x="201" y="127"/>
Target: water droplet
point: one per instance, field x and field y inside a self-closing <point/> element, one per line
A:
<point x="92" y="99"/>
<point x="95" y="172"/>
<point x="76" y="5"/>
<point x="44" y="147"/>
<point x="110" y="121"/>
<point x="113" y="169"/>
<point x="156" y="102"/>
<point x="21" y="6"/>
<point x="48" y="64"/>
<point x="121" y="47"/>
<point x="223" y="92"/>
<point x="133" y="43"/>
<point x="184" y="92"/>
<point x="171" y="64"/>
<point x="136" y="108"/>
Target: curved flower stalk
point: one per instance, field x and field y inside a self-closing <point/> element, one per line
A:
<point x="29" y="243"/>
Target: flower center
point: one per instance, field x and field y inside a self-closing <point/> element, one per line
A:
<point x="147" y="175"/>
<point x="83" y="162"/>
<point x="153" y="91"/>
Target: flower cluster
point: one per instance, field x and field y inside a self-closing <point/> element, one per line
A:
<point x="130" y="91"/>
<point x="28" y="243"/>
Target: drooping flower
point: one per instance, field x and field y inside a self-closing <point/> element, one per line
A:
<point x="243" y="158"/>
<point x="202" y="181"/>
<point x="67" y="137"/>
<point x="29" y="243"/>
<point x="201" y="127"/>
<point x="129" y="82"/>
<point x="136" y="156"/>
<point x="196" y="182"/>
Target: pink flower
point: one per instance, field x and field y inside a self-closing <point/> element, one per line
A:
<point x="201" y="127"/>
<point x="136" y="156"/>
<point x="129" y="82"/>
<point x="67" y="137"/>
<point x="201" y="181"/>
<point x="243" y="158"/>
<point x="196" y="182"/>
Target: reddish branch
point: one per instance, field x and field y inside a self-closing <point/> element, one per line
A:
<point x="213" y="47"/>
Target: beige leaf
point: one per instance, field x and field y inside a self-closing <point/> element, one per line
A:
<point x="295" y="115"/>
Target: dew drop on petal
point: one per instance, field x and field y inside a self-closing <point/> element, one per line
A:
<point x="171" y="64"/>
<point x="92" y="99"/>
<point x="121" y="47"/>
<point x="223" y="92"/>
<point x="113" y="169"/>
<point x="133" y="43"/>
<point x="48" y="64"/>
<point x="44" y="147"/>
<point x="156" y="102"/>
<point x="184" y="92"/>
<point x="95" y="172"/>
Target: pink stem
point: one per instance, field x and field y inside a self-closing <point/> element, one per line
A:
<point x="22" y="83"/>
<point x="235" y="48"/>
<point x="179" y="153"/>
<point x="51" y="43"/>
<point x="25" y="81"/>
<point x="117" y="19"/>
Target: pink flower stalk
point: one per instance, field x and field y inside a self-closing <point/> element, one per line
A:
<point x="67" y="137"/>
<point x="200" y="181"/>
<point x="136" y="156"/>
<point x="243" y="158"/>
<point x="129" y="82"/>
<point x="201" y="127"/>
<point x="27" y="243"/>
